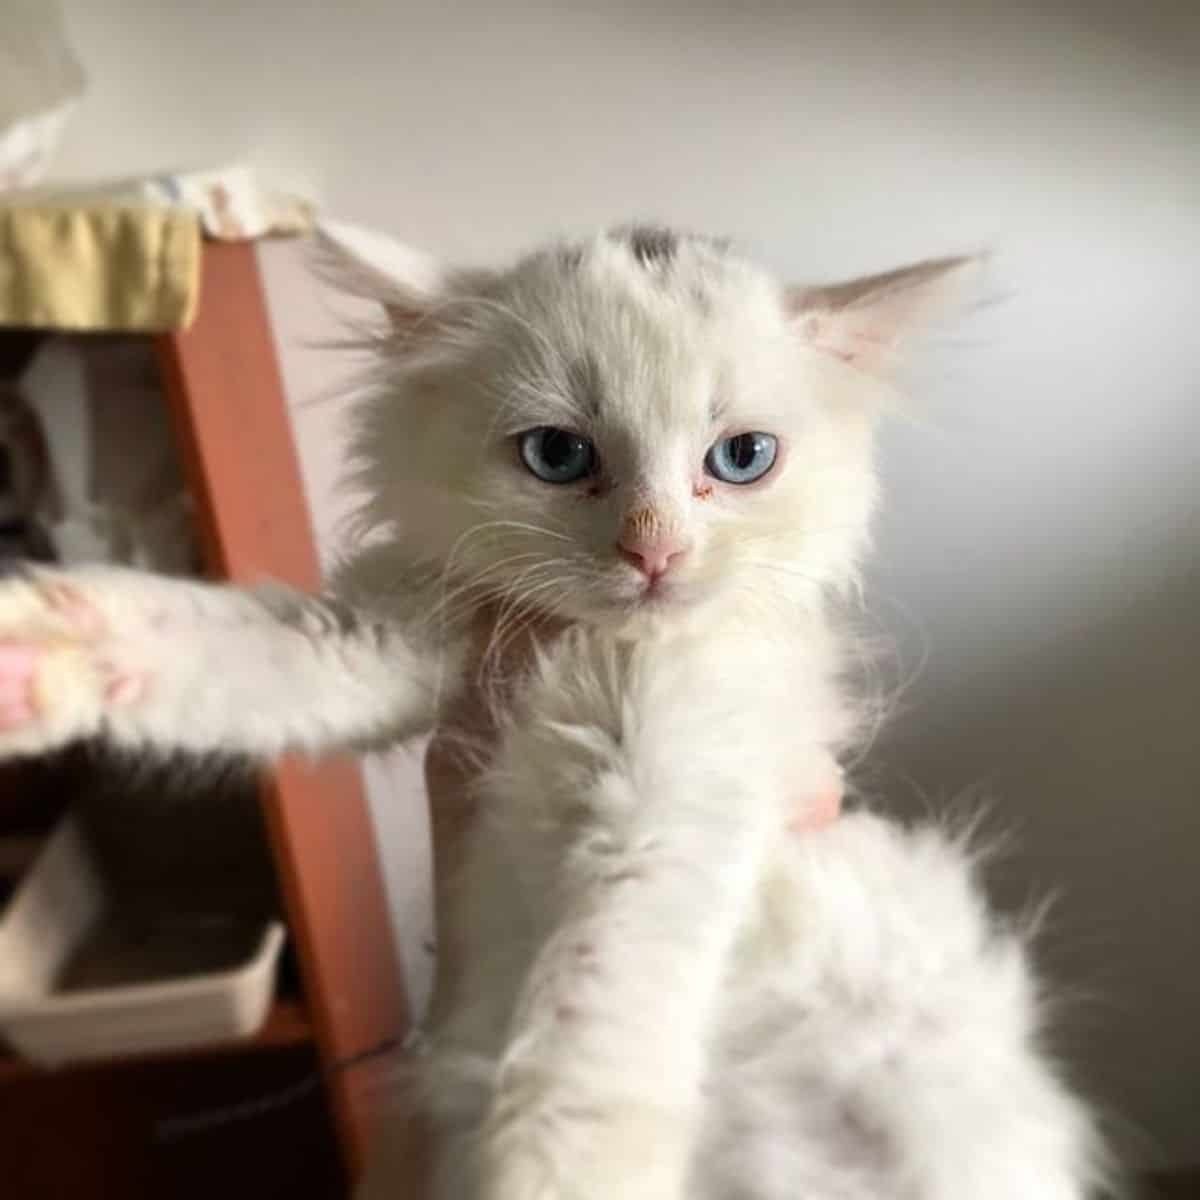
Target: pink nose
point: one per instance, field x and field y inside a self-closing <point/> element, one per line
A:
<point x="652" y="556"/>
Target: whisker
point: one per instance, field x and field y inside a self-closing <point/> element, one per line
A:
<point x="514" y="617"/>
<point x="476" y="583"/>
<point x="525" y="526"/>
<point x="459" y="546"/>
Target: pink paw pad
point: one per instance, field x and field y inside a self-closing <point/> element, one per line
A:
<point x="18" y="664"/>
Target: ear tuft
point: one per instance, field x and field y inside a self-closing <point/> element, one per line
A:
<point x="864" y="321"/>
<point x="407" y="283"/>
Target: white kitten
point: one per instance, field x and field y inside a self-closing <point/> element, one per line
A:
<point x="644" y="451"/>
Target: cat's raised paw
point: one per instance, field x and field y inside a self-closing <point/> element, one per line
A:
<point x="18" y="668"/>
<point x="56" y="672"/>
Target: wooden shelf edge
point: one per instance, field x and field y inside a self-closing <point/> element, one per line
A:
<point x="235" y="430"/>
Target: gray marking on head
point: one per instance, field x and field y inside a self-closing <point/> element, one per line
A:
<point x="651" y="245"/>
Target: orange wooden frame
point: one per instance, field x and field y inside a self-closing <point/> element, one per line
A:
<point x="226" y="393"/>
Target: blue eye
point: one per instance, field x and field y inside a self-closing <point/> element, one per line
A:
<point x="742" y="458"/>
<point x="557" y="456"/>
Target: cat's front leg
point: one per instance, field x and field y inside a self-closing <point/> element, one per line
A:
<point x="640" y="791"/>
<point x="151" y="662"/>
<point x="599" y="1090"/>
<point x="550" y="1153"/>
<point x="560" y="1140"/>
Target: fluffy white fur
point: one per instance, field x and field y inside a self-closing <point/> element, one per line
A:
<point x="663" y="994"/>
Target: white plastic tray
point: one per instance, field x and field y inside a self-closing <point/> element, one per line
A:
<point x="59" y="903"/>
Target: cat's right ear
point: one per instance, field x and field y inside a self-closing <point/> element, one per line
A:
<point x="409" y="285"/>
<point x="865" y="322"/>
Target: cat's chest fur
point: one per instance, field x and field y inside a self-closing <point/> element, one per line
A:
<point x="752" y="702"/>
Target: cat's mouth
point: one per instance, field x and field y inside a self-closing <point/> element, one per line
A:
<point x="658" y="591"/>
<point x="657" y="594"/>
<point x="623" y="598"/>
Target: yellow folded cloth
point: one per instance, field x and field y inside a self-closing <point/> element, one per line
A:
<point x="105" y="267"/>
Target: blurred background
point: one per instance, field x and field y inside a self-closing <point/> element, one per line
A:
<point x="1041" y="544"/>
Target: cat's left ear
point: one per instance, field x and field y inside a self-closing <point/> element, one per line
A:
<point x="410" y="285"/>
<point x="865" y="321"/>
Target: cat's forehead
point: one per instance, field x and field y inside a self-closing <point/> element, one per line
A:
<point x="645" y="301"/>
<point x="658" y="273"/>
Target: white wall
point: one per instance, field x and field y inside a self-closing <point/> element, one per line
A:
<point x="1042" y="535"/>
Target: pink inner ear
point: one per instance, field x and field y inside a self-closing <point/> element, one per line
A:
<point x="845" y="338"/>
<point x="862" y="321"/>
